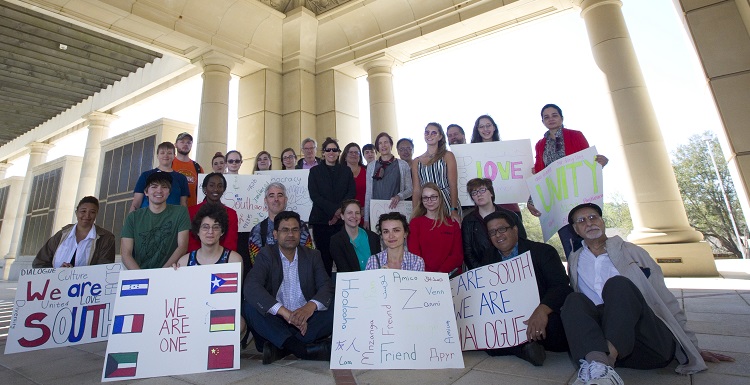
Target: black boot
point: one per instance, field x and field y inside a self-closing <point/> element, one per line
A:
<point x="532" y="352"/>
<point x="271" y="353"/>
<point x="320" y="351"/>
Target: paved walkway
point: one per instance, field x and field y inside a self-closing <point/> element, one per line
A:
<point x="718" y="309"/>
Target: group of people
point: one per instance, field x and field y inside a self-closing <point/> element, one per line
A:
<point x="610" y="309"/>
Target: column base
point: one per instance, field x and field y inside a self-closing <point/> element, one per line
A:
<point x="693" y="259"/>
<point x="13" y="267"/>
<point x="7" y="263"/>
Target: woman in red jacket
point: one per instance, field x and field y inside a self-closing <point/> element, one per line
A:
<point x="559" y="142"/>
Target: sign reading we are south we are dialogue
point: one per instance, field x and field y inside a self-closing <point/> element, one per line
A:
<point x="169" y="322"/>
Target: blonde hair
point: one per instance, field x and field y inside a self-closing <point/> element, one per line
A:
<point x="420" y="210"/>
<point x="441" y="147"/>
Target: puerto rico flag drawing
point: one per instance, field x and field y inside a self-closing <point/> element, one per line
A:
<point x="128" y="323"/>
<point x="120" y="365"/>
<point x="222" y="320"/>
<point x="220" y="357"/>
<point x="132" y="287"/>
<point x="223" y="283"/>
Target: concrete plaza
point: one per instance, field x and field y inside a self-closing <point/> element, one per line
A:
<point x="718" y="310"/>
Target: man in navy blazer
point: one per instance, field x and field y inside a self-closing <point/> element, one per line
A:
<point x="290" y="297"/>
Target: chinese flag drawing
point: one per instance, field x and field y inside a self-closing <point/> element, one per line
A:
<point x="220" y="357"/>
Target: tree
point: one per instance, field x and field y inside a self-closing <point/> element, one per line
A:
<point x="701" y="192"/>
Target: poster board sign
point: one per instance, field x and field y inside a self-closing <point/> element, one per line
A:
<point x="565" y="184"/>
<point x="298" y="195"/>
<point x="171" y="322"/>
<point x="493" y="301"/>
<point x="506" y="163"/>
<point x="245" y="195"/>
<point x="62" y="307"/>
<point x="394" y="319"/>
<point x="379" y="207"/>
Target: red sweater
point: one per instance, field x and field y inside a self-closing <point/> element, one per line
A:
<point x="441" y="247"/>
<point x="228" y="240"/>
<point x="574" y="142"/>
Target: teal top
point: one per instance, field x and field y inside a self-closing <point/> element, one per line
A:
<point x="361" y="247"/>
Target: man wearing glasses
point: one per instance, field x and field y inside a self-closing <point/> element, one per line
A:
<point x="309" y="160"/>
<point x="544" y="328"/>
<point x="621" y="313"/>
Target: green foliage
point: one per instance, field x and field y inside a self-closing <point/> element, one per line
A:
<point x="534" y="231"/>
<point x="701" y="192"/>
<point x="617" y="214"/>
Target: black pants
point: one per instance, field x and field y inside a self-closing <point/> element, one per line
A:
<point x="322" y="235"/>
<point x="642" y="340"/>
<point x="555" y="341"/>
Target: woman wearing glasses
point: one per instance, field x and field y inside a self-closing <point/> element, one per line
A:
<point x="436" y="165"/>
<point x="474" y="234"/>
<point x="234" y="161"/>
<point x="329" y="183"/>
<point x="435" y="235"/>
<point x="485" y="130"/>
<point x="352" y="157"/>
<point x="288" y="159"/>
<point x="393" y="231"/>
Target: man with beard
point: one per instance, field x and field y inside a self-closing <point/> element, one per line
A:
<point x="621" y="312"/>
<point x="455" y="134"/>
<point x="186" y="166"/>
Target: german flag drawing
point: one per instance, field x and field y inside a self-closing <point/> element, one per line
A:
<point x="222" y="320"/>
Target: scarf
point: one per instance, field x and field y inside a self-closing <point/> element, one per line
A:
<point x="381" y="166"/>
<point x="554" y="147"/>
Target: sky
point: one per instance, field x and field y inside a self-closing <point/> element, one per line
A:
<point x="509" y="75"/>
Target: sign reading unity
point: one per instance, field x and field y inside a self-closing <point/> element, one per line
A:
<point x="168" y="322"/>
<point x="506" y="163"/>
<point x="62" y="307"/>
<point x="379" y="207"/>
<point x="565" y="184"/>
<point x="394" y="319"/>
<point x="493" y="301"/>
<point x="245" y="195"/>
<point x="298" y="196"/>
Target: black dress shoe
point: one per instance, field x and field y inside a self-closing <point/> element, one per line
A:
<point x="320" y="351"/>
<point x="532" y="352"/>
<point x="271" y="353"/>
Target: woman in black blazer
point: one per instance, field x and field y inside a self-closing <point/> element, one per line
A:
<point x="352" y="246"/>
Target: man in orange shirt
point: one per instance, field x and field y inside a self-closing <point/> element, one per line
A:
<point x="186" y="166"/>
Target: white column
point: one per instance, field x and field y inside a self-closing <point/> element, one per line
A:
<point x="98" y="131"/>
<point x="382" y="100"/>
<point x="3" y="168"/>
<point x="659" y="219"/>
<point x="214" y="115"/>
<point x="37" y="155"/>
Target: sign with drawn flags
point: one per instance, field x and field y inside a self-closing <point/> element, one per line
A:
<point x="171" y="322"/>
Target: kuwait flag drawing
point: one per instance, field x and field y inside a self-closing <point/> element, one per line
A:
<point x="120" y="365"/>
<point x="223" y="283"/>
<point x="220" y="357"/>
<point x="128" y="323"/>
<point x="134" y="287"/>
<point x="222" y="320"/>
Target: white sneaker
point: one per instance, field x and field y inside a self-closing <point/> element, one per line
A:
<point x="583" y="373"/>
<point x="601" y="374"/>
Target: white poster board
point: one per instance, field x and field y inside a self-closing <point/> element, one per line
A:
<point x="565" y="184"/>
<point x="493" y="301"/>
<point x="298" y="195"/>
<point x="170" y="322"/>
<point x="506" y="163"/>
<point x="394" y="319"/>
<point x="245" y="195"/>
<point x="62" y="307"/>
<point x="379" y="207"/>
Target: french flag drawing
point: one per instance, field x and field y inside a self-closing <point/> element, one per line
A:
<point x="132" y="287"/>
<point x="128" y="323"/>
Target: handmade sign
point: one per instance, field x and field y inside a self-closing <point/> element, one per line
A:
<point x="379" y="207"/>
<point x="62" y="307"/>
<point x="565" y="184"/>
<point x="506" y="163"/>
<point x="394" y="319"/>
<point x="245" y="195"/>
<point x="298" y="196"/>
<point x="170" y="322"/>
<point x="493" y="301"/>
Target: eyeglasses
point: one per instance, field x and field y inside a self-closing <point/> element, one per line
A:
<point x="498" y="231"/>
<point x="431" y="198"/>
<point x="233" y="161"/>
<point x="430" y="133"/>
<point x="486" y="126"/>
<point x="590" y="218"/>
<point x="404" y="149"/>
<point x="206" y="227"/>
<point x="289" y="157"/>
<point x="353" y="152"/>
<point x="479" y="191"/>
<point x="331" y="150"/>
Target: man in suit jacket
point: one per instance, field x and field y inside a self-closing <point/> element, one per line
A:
<point x="290" y="296"/>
